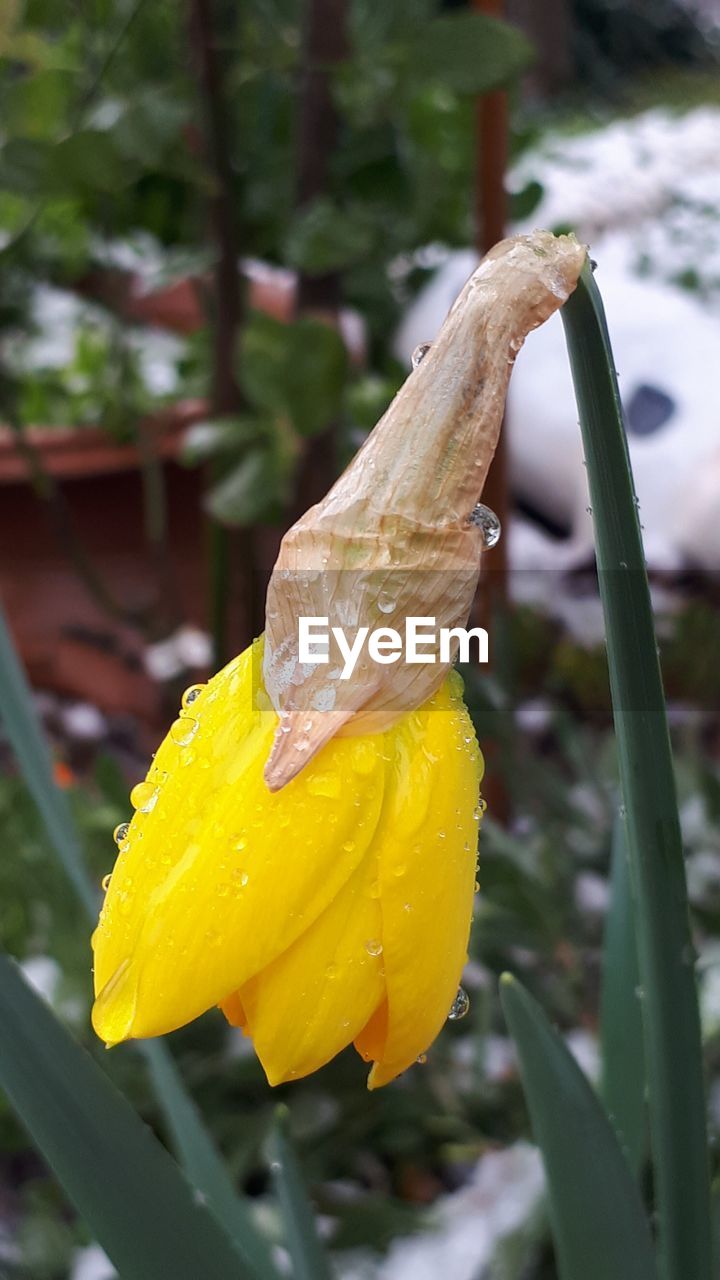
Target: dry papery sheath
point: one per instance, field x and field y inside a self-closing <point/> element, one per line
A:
<point x="393" y="538"/>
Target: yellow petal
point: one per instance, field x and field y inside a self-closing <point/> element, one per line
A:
<point x="219" y="877"/>
<point x="314" y="999"/>
<point x="426" y="846"/>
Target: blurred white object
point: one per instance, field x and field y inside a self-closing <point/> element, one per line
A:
<point x="503" y="1197"/>
<point x="646" y="193"/>
<point x="91" y="1263"/>
<point x="186" y="648"/>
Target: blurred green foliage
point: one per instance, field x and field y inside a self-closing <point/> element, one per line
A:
<point x="102" y="148"/>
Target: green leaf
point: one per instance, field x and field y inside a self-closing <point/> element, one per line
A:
<point x="309" y="1261"/>
<point x="468" y="52"/>
<point x="325" y="236"/>
<point x="219" y="438"/>
<point x="28" y="743"/>
<point x="296" y="371"/>
<point x="599" y="1224"/>
<point x="199" y="1156"/>
<point x="125" y="1185"/>
<point x="83" y="162"/>
<point x="252" y="492"/>
<point x="673" y="1047"/>
<point x="623" y="1060"/>
<point x="314" y="375"/>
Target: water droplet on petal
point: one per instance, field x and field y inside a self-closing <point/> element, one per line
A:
<point x="183" y="730"/>
<point x="422" y="1059"/>
<point x="375" y="889"/>
<point x="420" y="353"/>
<point x="120" y="834"/>
<point x="374" y="947"/>
<point x="460" y="1005"/>
<point x="386" y="603"/>
<point x="399" y="869"/>
<point x="144" y="797"/>
<point x="349" y="845"/>
<point x="331" y="972"/>
<point x="488" y="523"/>
<point x="105" y="882"/>
<point x="192" y="694"/>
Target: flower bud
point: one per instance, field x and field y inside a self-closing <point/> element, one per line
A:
<point x="394" y="537"/>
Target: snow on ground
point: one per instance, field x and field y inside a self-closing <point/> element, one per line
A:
<point x="469" y="1227"/>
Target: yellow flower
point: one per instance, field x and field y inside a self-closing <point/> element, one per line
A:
<point x="335" y="910"/>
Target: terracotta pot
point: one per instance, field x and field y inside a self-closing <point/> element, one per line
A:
<point x="69" y="642"/>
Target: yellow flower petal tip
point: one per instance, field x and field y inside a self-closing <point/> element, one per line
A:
<point x="113" y="1013"/>
<point x="334" y="911"/>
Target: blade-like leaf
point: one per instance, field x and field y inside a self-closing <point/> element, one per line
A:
<point x="18" y="717"/>
<point x="671" y="1022"/>
<point x="306" y="1253"/>
<point x="623" y="1059"/>
<point x="201" y="1160"/>
<point x="599" y="1224"/>
<point x="125" y="1185"/>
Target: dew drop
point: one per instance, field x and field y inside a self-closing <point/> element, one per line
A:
<point x="105" y="882"/>
<point x="240" y="876"/>
<point x="349" y="845"/>
<point x="460" y="1005"/>
<point x="420" y="353"/>
<point x="144" y="797"/>
<point x="374" y="947"/>
<point x="192" y="694"/>
<point x="386" y="603"/>
<point x="331" y="972"/>
<point x="486" y="520"/>
<point x="422" y="1059"/>
<point x="375" y="889"/>
<point x="183" y="730"/>
<point x="399" y="869"/>
<point x="120" y="834"/>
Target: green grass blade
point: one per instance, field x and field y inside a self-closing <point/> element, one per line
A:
<point x="200" y="1158"/>
<point x="308" y="1258"/>
<point x="599" y="1224"/>
<point x="123" y="1182"/>
<point x="671" y="1023"/>
<point x="18" y="717"/>
<point x="623" y="1058"/>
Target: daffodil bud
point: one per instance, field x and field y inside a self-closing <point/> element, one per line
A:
<point x="395" y="537"/>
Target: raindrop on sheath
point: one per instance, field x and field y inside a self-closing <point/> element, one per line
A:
<point x="183" y="730"/>
<point x="488" y="523"/>
<point x="192" y="694"/>
<point x="120" y="834"/>
<point x="460" y="1005"/>
<point x="420" y="353"/>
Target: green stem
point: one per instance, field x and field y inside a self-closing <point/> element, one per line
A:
<point x="671" y="1021"/>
